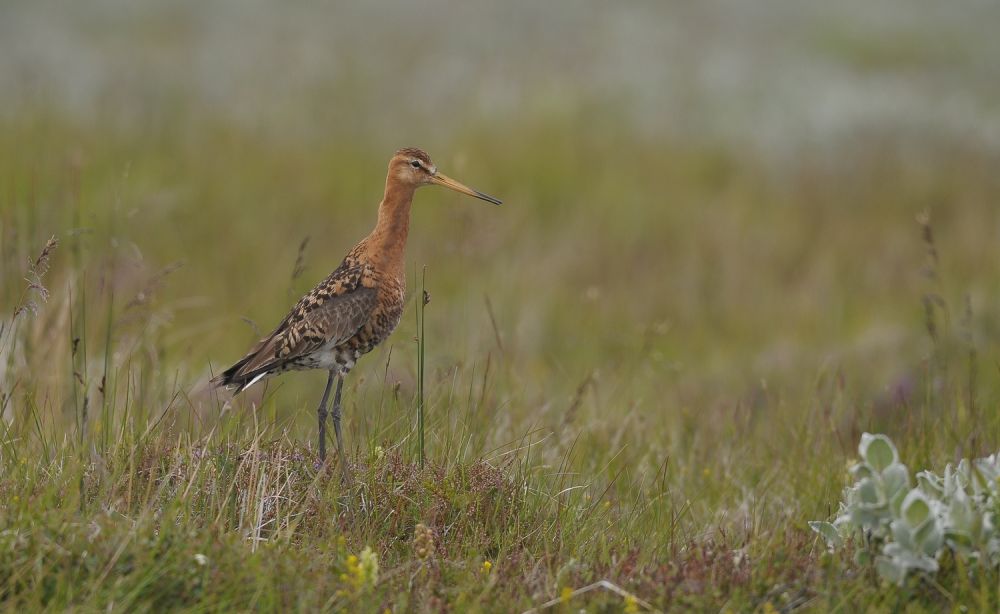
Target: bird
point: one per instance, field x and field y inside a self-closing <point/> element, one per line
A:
<point x="356" y="307"/>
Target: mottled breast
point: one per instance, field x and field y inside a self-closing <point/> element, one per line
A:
<point x="384" y="318"/>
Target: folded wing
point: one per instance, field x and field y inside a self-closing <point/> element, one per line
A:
<point x="333" y="312"/>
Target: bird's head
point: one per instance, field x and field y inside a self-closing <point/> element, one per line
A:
<point x="413" y="167"/>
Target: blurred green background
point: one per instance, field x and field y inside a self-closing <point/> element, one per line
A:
<point x="702" y="200"/>
<point x="729" y="188"/>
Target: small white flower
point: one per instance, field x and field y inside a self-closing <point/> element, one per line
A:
<point x="201" y="559"/>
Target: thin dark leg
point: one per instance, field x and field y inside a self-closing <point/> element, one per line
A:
<point x="336" y="427"/>
<point x="321" y="414"/>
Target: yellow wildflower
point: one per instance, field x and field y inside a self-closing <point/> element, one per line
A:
<point x="362" y="571"/>
<point x="487" y="566"/>
<point x="566" y="594"/>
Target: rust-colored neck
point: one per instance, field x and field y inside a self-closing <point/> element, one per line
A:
<point x="387" y="243"/>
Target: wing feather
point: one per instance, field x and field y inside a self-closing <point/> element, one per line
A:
<point x="333" y="312"/>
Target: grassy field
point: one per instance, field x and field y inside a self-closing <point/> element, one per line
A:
<point x="651" y="366"/>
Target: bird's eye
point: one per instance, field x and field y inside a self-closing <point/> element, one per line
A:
<point x="415" y="163"/>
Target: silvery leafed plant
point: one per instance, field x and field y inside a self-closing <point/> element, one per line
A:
<point x="908" y="527"/>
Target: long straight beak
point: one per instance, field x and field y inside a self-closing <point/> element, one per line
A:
<point x="448" y="182"/>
